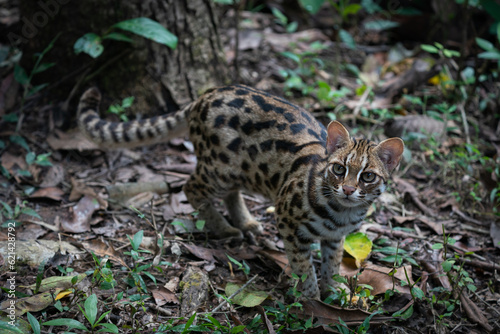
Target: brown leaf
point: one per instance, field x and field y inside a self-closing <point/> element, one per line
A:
<point x="328" y="314"/>
<point x="79" y="189"/>
<point x="70" y="140"/>
<point x="50" y="192"/>
<point x="81" y="215"/>
<point x="53" y="177"/>
<point x="279" y="258"/>
<point x="201" y="252"/>
<point x="163" y="296"/>
<point x="267" y="323"/>
<point x="99" y="248"/>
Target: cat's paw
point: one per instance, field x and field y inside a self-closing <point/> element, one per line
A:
<point x="252" y="226"/>
<point x="228" y="232"/>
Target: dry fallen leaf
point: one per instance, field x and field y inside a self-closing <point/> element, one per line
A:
<point x="163" y="296"/>
<point x="50" y="192"/>
<point x="81" y="215"/>
<point x="99" y="248"/>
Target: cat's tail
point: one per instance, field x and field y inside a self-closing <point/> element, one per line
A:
<point x="127" y="134"/>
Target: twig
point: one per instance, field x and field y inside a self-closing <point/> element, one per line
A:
<point x="464" y="120"/>
<point x="51" y="227"/>
<point x="234" y="294"/>
<point x="362" y="101"/>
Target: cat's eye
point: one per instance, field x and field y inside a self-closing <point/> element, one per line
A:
<point x="368" y="177"/>
<point x="338" y="169"/>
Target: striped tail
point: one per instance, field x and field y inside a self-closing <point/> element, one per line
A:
<point x="127" y="134"/>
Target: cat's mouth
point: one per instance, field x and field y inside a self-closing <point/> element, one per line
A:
<point x="347" y="201"/>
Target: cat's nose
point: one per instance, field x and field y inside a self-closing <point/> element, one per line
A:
<point x="348" y="190"/>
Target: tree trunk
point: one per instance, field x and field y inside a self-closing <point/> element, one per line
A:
<point x="154" y="73"/>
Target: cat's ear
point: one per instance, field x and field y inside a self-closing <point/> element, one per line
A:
<point x="337" y="137"/>
<point x="390" y="152"/>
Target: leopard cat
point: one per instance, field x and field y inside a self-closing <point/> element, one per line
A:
<point x="321" y="180"/>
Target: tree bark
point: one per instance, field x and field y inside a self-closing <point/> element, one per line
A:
<point x="154" y="73"/>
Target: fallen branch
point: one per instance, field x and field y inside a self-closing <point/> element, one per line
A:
<point x="131" y="189"/>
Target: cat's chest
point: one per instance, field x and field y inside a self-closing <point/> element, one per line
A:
<point x="343" y="222"/>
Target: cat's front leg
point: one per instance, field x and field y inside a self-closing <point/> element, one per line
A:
<point x="298" y="252"/>
<point x="331" y="256"/>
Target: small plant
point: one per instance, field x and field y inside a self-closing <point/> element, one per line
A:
<point x="282" y="20"/>
<point x="490" y="51"/>
<point x="241" y="266"/>
<point x="25" y="79"/>
<point x="119" y="109"/>
<point x="10" y="215"/>
<point x="89" y="310"/>
<point x="91" y="43"/>
<point x="139" y="270"/>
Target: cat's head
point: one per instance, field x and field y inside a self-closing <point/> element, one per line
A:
<point x="358" y="170"/>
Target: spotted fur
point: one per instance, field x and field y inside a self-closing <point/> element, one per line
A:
<point x="320" y="179"/>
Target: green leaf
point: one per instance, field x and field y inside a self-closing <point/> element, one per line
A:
<point x="17" y="328"/>
<point x="246" y="297"/>
<point x="189" y="323"/>
<point x="43" y="67"/>
<point x="90" y="306"/>
<point x="10" y="117"/>
<point x="495" y="55"/>
<point x="347" y="39"/>
<point x="70" y="323"/>
<point x="292" y="27"/>
<point x="312" y="6"/>
<point x="35" y="325"/>
<point x="150" y="29"/>
<point x="36" y="89"/>
<point x="20" y="141"/>
<point x="352" y="8"/>
<point x="417" y="292"/>
<point x="200" y="224"/>
<point x="20" y="75"/>
<point x="137" y="239"/>
<point x="492" y="8"/>
<point x="30" y="158"/>
<point x="429" y="48"/>
<point x="484" y="44"/>
<point x="283" y="20"/>
<point x="498" y="31"/>
<point x="380" y="25"/>
<point x="89" y="43"/>
<point x="406" y="314"/>
<point x="447" y="265"/>
<point x="237" y="329"/>
<point x="451" y="53"/>
<point x="108" y="328"/>
<point x="292" y="56"/>
<point x="102" y="317"/>
<point x="30" y="212"/>
<point x="437" y="246"/>
<point x="118" y="37"/>
<point x="127" y="102"/>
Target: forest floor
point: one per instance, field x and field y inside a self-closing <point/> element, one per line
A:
<point x="437" y="223"/>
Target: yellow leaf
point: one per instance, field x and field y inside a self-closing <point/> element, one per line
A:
<point x="358" y="246"/>
<point x="63" y="294"/>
